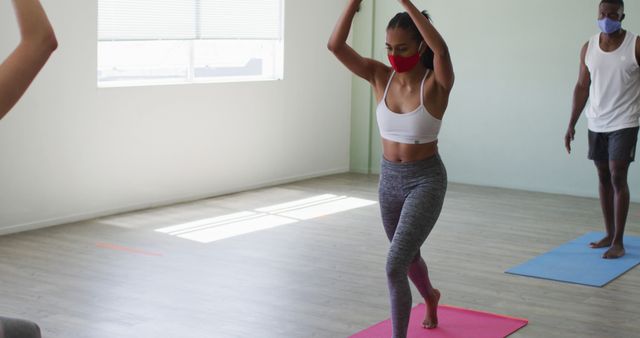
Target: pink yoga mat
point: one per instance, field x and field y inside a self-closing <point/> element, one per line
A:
<point x="453" y="322"/>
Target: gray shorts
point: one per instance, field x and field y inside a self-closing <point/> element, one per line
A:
<point x="619" y="145"/>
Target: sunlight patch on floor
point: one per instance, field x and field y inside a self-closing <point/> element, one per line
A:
<point x="217" y="228"/>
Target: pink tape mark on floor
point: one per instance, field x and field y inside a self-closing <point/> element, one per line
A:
<point x="115" y="247"/>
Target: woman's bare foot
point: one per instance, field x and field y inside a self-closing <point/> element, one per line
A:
<point x="603" y="243"/>
<point x="431" y="315"/>
<point x="615" y="251"/>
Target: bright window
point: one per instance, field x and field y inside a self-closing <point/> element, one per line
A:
<point x="150" y="42"/>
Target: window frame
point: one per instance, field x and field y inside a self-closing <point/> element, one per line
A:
<point x="277" y="58"/>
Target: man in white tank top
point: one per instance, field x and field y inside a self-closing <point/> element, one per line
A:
<point x="609" y="82"/>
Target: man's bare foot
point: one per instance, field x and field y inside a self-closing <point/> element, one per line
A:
<point x="603" y="243"/>
<point x="615" y="251"/>
<point x="431" y="315"/>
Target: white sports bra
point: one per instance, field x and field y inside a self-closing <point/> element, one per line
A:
<point x="416" y="127"/>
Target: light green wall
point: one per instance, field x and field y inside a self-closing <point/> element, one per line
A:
<point x="361" y="102"/>
<point x="516" y="64"/>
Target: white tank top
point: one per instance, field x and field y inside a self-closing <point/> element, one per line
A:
<point x="614" y="95"/>
<point x="416" y="127"/>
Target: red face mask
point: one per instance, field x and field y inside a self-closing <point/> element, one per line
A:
<point x="403" y="64"/>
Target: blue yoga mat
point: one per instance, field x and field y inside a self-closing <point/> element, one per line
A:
<point x="575" y="262"/>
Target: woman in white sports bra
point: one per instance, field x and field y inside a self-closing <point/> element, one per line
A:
<point x="412" y="98"/>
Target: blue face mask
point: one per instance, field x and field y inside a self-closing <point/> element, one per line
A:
<point x="609" y="26"/>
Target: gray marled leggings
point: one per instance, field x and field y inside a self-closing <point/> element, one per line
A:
<point x="411" y="197"/>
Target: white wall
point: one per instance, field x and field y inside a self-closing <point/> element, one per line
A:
<point x="70" y="151"/>
<point x="516" y="65"/>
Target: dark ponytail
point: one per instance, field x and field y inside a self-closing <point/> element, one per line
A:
<point x="404" y="21"/>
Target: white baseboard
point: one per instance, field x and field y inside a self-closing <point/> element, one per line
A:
<point x="160" y="203"/>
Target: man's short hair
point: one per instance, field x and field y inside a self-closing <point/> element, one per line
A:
<point x="614" y="2"/>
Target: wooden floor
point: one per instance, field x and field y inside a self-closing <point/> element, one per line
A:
<point x="319" y="277"/>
